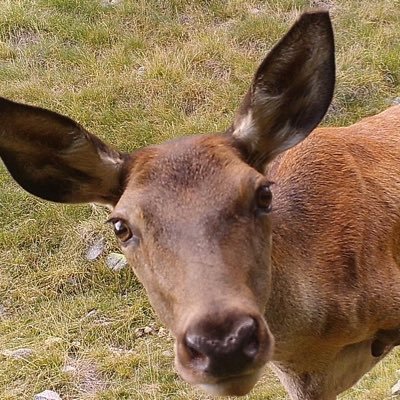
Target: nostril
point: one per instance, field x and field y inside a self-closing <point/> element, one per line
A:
<point x="247" y="337"/>
<point x="252" y="347"/>
<point x="193" y="344"/>
<point x="224" y="349"/>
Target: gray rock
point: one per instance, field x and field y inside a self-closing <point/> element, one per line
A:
<point x="2" y="311"/>
<point x="110" y="3"/>
<point x="69" y="369"/>
<point x="18" y="354"/>
<point x="91" y="313"/>
<point x="324" y="4"/>
<point x="147" y="330"/>
<point x="116" y="261"/>
<point x="167" y="353"/>
<point x="53" y="341"/>
<point x="141" y="70"/>
<point x="95" y="250"/>
<point x="254" y="11"/>
<point x="47" y="395"/>
<point x="396" y="101"/>
<point x="162" y="332"/>
<point x="396" y="389"/>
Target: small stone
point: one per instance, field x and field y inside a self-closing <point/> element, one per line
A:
<point x="147" y="330"/>
<point x="139" y="332"/>
<point x="120" y="351"/>
<point x="47" y="395"/>
<point x="95" y="250"/>
<point x="53" y="341"/>
<point x="185" y="19"/>
<point x="74" y="347"/>
<point x="116" y="261"/>
<point x="110" y="3"/>
<point x="69" y="369"/>
<point x="396" y="389"/>
<point x="2" y="311"/>
<point x="324" y="4"/>
<point x="72" y="281"/>
<point x="19" y="354"/>
<point x="167" y="354"/>
<point x="91" y="313"/>
<point x="162" y="332"/>
<point x="396" y="101"/>
<point x="141" y="70"/>
<point x="254" y="11"/>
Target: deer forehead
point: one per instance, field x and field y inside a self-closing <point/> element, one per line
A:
<point x="187" y="175"/>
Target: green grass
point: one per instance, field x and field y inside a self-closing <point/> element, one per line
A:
<point x="140" y="72"/>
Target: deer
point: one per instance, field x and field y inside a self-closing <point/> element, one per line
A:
<point x="274" y="242"/>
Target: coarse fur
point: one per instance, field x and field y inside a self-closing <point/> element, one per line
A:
<point x="343" y="290"/>
<point x="311" y="285"/>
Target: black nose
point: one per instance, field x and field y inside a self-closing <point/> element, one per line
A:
<point x="223" y="350"/>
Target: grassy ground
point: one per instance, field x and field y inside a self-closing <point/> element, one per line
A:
<point x="139" y="72"/>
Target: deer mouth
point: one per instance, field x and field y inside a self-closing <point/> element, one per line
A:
<point x="233" y="386"/>
<point x="224" y="359"/>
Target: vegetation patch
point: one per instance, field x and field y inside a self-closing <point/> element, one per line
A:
<point x="138" y="72"/>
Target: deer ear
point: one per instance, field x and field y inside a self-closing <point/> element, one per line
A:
<point x="53" y="157"/>
<point x="291" y="90"/>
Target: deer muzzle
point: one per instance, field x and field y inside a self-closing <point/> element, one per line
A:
<point x="224" y="353"/>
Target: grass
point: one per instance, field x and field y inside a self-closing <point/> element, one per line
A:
<point x="140" y="72"/>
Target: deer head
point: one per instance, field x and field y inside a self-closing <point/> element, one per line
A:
<point x="192" y="215"/>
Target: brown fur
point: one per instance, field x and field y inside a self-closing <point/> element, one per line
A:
<point x="53" y="157"/>
<point x="337" y="203"/>
<point x="327" y="291"/>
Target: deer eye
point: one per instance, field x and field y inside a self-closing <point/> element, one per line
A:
<point x="264" y="199"/>
<point x="121" y="230"/>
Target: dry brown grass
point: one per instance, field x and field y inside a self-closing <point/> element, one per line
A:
<point x="139" y="72"/>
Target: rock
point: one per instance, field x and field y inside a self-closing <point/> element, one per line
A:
<point x="91" y="313"/>
<point x="162" y="332"/>
<point x="110" y="3"/>
<point x="69" y="369"/>
<point x="74" y="347"/>
<point x="53" y="341"/>
<point x="150" y="330"/>
<point x="95" y="250"/>
<point x="141" y="70"/>
<point x="324" y="4"/>
<point x="167" y="353"/>
<point x="76" y="343"/>
<point x="254" y="11"/>
<point x="396" y="389"/>
<point x="116" y="261"/>
<point x="120" y="351"/>
<point x="147" y="330"/>
<point x="185" y="19"/>
<point x="2" y="311"/>
<point x="19" y="354"/>
<point x="139" y="332"/>
<point x="396" y="101"/>
<point x="47" y="395"/>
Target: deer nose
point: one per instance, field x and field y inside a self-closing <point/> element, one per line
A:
<point x="225" y="350"/>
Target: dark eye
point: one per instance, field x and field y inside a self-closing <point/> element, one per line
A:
<point x="121" y="230"/>
<point x="264" y="199"/>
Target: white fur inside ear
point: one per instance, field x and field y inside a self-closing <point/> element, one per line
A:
<point x="251" y="132"/>
<point x="246" y="130"/>
<point x="110" y="159"/>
